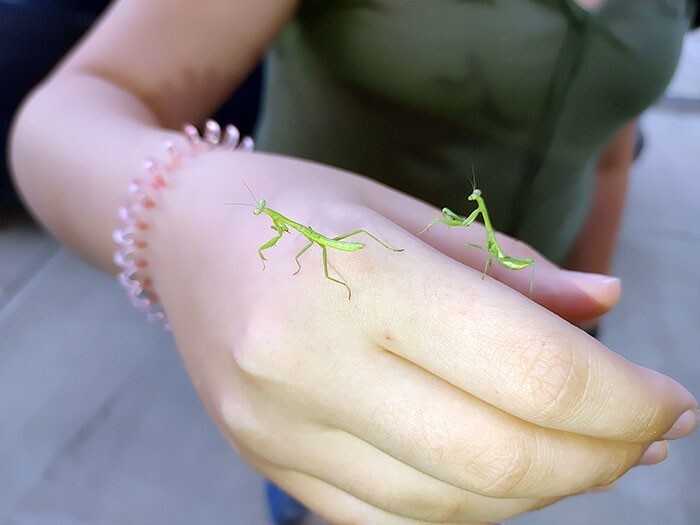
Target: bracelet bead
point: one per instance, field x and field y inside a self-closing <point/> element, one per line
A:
<point x="130" y="236"/>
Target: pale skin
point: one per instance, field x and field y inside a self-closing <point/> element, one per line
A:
<point x="432" y="395"/>
<point x="494" y="250"/>
<point x="281" y="225"/>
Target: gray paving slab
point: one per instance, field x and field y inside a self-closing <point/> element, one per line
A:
<point x="686" y="81"/>
<point x="24" y="248"/>
<point x="99" y="422"/>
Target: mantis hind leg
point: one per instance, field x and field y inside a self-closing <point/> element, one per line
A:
<point x="357" y="232"/>
<point x="268" y="244"/>
<point x="300" y="254"/>
<point x="489" y="259"/>
<point x="325" y="271"/>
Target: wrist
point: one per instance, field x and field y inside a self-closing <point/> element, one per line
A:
<point x="137" y="217"/>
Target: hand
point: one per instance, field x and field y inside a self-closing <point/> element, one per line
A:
<point x="433" y="395"/>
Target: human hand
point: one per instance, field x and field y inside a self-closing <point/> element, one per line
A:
<point x="433" y="395"/>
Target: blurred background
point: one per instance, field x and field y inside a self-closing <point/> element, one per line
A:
<point x="35" y="34"/>
<point x="100" y="425"/>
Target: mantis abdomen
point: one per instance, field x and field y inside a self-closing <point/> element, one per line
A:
<point x="343" y="245"/>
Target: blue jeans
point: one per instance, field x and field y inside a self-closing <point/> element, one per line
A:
<point x="284" y="510"/>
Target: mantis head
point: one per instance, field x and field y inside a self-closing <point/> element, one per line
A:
<point x="261" y="203"/>
<point x="476" y="193"/>
<point x="260" y="207"/>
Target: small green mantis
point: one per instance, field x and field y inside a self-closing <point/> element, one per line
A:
<point x="281" y="225"/>
<point x="494" y="250"/>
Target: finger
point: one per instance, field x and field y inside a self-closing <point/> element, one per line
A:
<point x="253" y="426"/>
<point x="574" y="296"/>
<point x="380" y="480"/>
<point x="502" y="348"/>
<point x="448" y="435"/>
<point x="333" y="504"/>
<point x="655" y="454"/>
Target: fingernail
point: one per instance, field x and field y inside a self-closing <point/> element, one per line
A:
<point x="605" y="289"/>
<point x="656" y="453"/>
<point x="684" y="425"/>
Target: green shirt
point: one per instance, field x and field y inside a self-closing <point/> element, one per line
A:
<point x="416" y="93"/>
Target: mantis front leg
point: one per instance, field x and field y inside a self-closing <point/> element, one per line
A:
<point x="450" y="218"/>
<point x="269" y="244"/>
<point x="282" y="224"/>
<point x="472" y="217"/>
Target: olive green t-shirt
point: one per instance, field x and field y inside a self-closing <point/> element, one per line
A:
<point x="418" y="93"/>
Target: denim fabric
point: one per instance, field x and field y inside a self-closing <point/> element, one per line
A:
<point x="284" y="510"/>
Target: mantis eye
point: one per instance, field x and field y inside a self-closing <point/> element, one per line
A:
<point x="475" y="194"/>
<point x="260" y="207"/>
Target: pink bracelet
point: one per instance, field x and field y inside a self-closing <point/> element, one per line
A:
<point x="144" y="192"/>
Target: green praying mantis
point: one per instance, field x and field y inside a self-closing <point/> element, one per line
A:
<point x="495" y="252"/>
<point x="281" y="225"/>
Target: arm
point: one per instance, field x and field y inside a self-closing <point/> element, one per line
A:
<point x="594" y="248"/>
<point x="309" y="387"/>
<point x="145" y="67"/>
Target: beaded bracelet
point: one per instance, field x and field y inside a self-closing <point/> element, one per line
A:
<point x="131" y="234"/>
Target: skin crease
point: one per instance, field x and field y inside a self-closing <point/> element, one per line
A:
<point x="433" y="395"/>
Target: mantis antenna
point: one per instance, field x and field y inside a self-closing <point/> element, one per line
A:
<point x="282" y="224"/>
<point x="249" y="190"/>
<point x="493" y="249"/>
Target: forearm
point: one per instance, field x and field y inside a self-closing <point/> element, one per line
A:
<point x="75" y="144"/>
<point x="73" y="157"/>
<point x="594" y="248"/>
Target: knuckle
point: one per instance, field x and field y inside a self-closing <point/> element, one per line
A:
<point x="554" y="378"/>
<point x="250" y="360"/>
<point x="429" y="434"/>
<point x="240" y="420"/>
<point x="498" y="468"/>
<point x="255" y="435"/>
<point x="504" y="468"/>
<point x="258" y="354"/>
